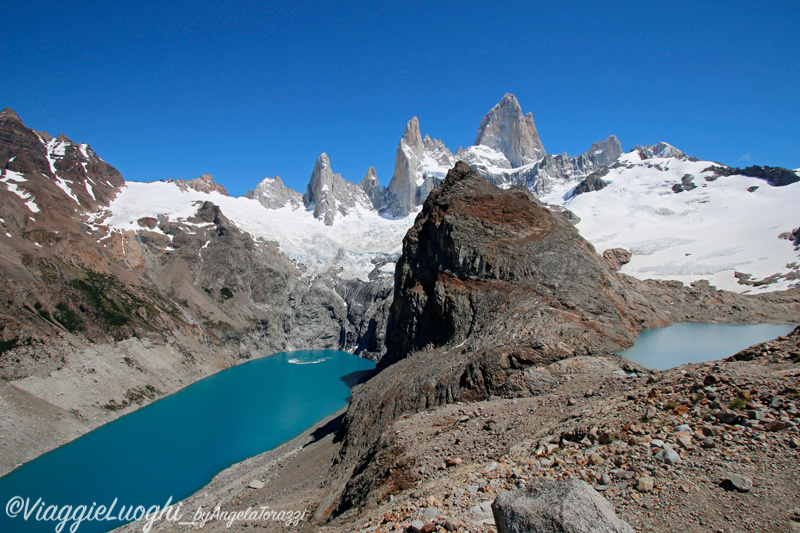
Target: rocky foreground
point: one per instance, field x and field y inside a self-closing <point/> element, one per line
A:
<point x="709" y="447"/>
<point x="704" y="447"/>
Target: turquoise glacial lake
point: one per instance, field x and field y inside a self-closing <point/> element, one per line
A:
<point x="662" y="348"/>
<point x="174" y="446"/>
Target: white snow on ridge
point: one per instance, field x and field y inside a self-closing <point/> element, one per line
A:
<point x="351" y="243"/>
<point x="11" y="179"/>
<point x="706" y="233"/>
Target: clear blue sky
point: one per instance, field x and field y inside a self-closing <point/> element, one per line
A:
<point x="177" y="89"/>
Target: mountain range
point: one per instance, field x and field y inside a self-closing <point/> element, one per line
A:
<point x="120" y="292"/>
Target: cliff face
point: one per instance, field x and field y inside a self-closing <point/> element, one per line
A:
<point x="506" y="130"/>
<point x="479" y="258"/>
<point x="491" y="285"/>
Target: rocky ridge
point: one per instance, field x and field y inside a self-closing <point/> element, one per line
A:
<point x="702" y="447"/>
<point x="205" y="183"/>
<point x="492" y="285"/>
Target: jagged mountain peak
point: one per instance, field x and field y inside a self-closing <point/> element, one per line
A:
<point x="659" y="150"/>
<point x="606" y="152"/>
<point x="205" y="183"/>
<point x="323" y="160"/>
<point x="331" y="194"/>
<point x="506" y="130"/>
<point x="8" y="114"/>
<point x="273" y="194"/>
<point x="412" y="135"/>
<point x="373" y="189"/>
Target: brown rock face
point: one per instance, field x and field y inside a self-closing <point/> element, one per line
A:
<point x="478" y="259"/>
<point x="617" y="257"/>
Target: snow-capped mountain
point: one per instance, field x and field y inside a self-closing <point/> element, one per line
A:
<point x="682" y="220"/>
<point x="504" y="129"/>
<point x="329" y="194"/>
<point x="507" y="151"/>
<point x="112" y="287"/>
<point x="704" y="232"/>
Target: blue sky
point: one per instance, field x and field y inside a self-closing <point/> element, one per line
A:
<point x="243" y="91"/>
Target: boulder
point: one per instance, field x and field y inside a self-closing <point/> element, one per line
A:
<point x="556" y="506"/>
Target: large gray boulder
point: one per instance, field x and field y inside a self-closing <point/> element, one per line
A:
<point x="569" y="506"/>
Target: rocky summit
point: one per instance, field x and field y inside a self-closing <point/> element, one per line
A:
<point x="506" y="130"/>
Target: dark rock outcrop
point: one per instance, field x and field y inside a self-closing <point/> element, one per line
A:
<point x="775" y="176"/>
<point x="475" y="247"/>
<point x="592" y="182"/>
<point x="686" y="184"/>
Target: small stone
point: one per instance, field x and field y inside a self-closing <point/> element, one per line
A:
<point x="775" y="425"/>
<point x="685" y="441"/>
<point x="650" y="413"/>
<point x="428" y="528"/>
<point x="794" y="442"/>
<point x="683" y="428"/>
<point x="685" y="489"/>
<point x="596" y="459"/>
<point x="450" y="462"/>
<point x="740" y="483"/>
<point x="656" y="443"/>
<point x="727" y="416"/>
<point x="794" y="514"/>
<point x="645" y="484"/>
<point x="451" y="524"/>
<point x="416" y="526"/>
<point x="713" y="431"/>
<point x="623" y="474"/>
<point x="430" y="514"/>
<point x="572" y="401"/>
<point x="668" y="456"/>
<point x="256" y="484"/>
<point x="707" y="442"/>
